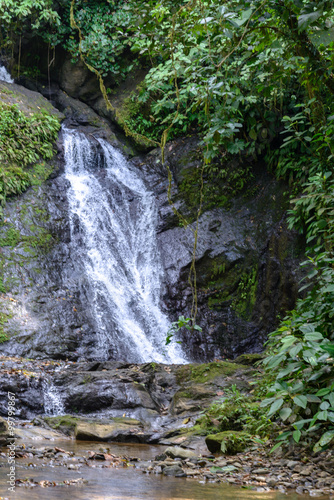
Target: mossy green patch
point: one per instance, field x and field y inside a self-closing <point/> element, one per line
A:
<point x="220" y="183"/>
<point x="245" y="299"/>
<point x="4" y="318"/>
<point x="249" y="359"/>
<point x="228" y="442"/>
<point x="234" y="286"/>
<point x="63" y="423"/>
<point x="206" y="372"/>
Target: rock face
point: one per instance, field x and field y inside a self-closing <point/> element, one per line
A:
<point x="4" y="433"/>
<point x="114" y="401"/>
<point x="246" y="260"/>
<point x="120" y="430"/>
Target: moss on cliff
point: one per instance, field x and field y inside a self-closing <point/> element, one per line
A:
<point x="206" y="372"/>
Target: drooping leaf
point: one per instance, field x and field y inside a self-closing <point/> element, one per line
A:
<point x="305" y="20"/>
<point x="296" y="435"/>
<point x="314" y="336"/>
<point x="285" y="413"/>
<point x="275" y="406"/>
<point x="300" y="400"/>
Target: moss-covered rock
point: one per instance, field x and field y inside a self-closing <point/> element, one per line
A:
<point x="206" y="372"/>
<point x="64" y="423"/>
<point x="119" y="429"/>
<point x="228" y="442"/>
<point x="28" y="101"/>
<point x="249" y="359"/>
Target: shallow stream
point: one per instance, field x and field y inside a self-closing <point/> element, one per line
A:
<point x="114" y="483"/>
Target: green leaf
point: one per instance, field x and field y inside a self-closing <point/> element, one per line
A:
<point x="330" y="398"/>
<point x="300" y="423"/>
<point x="288" y="340"/>
<point x="300" y="401"/>
<point x="252" y="134"/>
<point x="285" y="413"/>
<point x="305" y="20"/>
<point x="277" y="445"/>
<point x="329" y="348"/>
<point x="322" y="415"/>
<point x="311" y="398"/>
<point x="276" y="360"/>
<point x="323" y="392"/>
<point x="296" y="435"/>
<point x="267" y="402"/>
<point x="295" y="349"/>
<point x="313" y="336"/>
<point x="215" y="469"/>
<point x="275" y="406"/>
<point x="326" y="438"/>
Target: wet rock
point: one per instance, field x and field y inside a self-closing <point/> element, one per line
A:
<point x="176" y="452"/>
<point x="250" y="237"/>
<point x="231" y="442"/>
<point x="121" y="430"/>
<point x="173" y="470"/>
<point x="4" y="432"/>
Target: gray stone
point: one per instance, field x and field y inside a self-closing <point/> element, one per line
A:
<point x="173" y="470"/>
<point x="292" y="464"/>
<point x="176" y="452"/>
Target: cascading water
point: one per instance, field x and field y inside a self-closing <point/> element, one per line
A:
<point x="53" y="404"/>
<point x="113" y="222"/>
<point x="5" y="76"/>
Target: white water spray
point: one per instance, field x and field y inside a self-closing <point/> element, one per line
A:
<point x="5" y="76"/>
<point x="53" y="404"/>
<point x="113" y="219"/>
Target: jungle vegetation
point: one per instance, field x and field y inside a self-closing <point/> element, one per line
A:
<point x="251" y="78"/>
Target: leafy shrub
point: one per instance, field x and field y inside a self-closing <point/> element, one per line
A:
<point x="302" y="349"/>
<point x="23" y="141"/>
<point x="237" y="412"/>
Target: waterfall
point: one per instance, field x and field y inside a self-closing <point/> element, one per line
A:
<point x="53" y="404"/>
<point x="5" y="76"/>
<point x="113" y="232"/>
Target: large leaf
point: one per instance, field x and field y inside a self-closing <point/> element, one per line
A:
<point x="267" y="402"/>
<point x="314" y="336"/>
<point x="324" y="440"/>
<point x="300" y="401"/>
<point x="285" y="413"/>
<point x="305" y="20"/>
<point x="296" y="435"/>
<point x="275" y="406"/>
<point x="323" y="392"/>
<point x="245" y="15"/>
<point x="311" y="398"/>
<point x="322" y="415"/>
<point x="295" y="349"/>
<point x="329" y="348"/>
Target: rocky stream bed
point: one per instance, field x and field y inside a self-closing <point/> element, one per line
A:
<point x="160" y="405"/>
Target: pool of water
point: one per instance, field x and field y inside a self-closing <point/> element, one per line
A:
<point x="117" y="483"/>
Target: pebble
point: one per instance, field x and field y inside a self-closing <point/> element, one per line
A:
<point x="254" y="470"/>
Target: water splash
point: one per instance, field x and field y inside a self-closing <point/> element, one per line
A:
<point x="53" y="404"/>
<point x="113" y="223"/>
<point x="5" y="76"/>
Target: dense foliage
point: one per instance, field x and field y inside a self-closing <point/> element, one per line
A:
<point x="24" y="140"/>
<point x="251" y="78"/>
